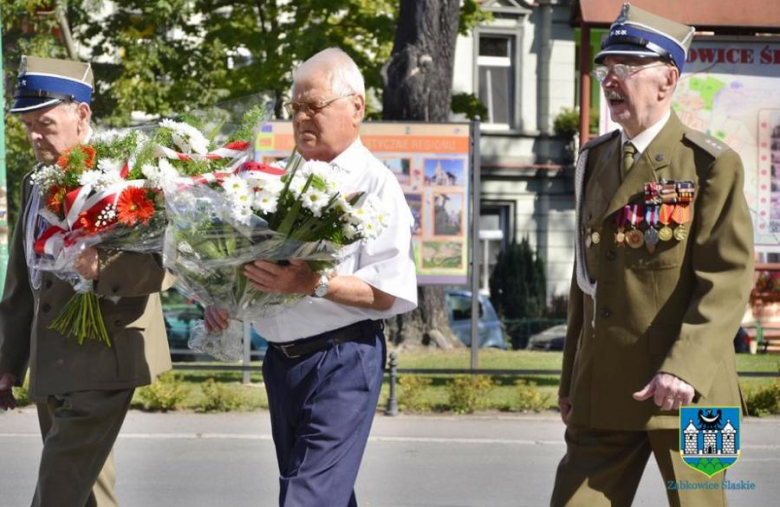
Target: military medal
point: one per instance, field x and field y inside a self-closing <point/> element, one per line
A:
<point x="665" y="217"/>
<point x="681" y="215"/>
<point x="668" y="192"/>
<point x="651" y="234"/>
<point x="620" y="222"/>
<point x="685" y="192"/>
<point x="595" y="237"/>
<point x="635" y="238"/>
<point x="634" y="215"/>
<point x="652" y="191"/>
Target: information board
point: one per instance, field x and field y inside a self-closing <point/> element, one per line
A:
<point x="431" y="162"/>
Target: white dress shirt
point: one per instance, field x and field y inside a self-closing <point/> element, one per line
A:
<point x="642" y="140"/>
<point x="386" y="263"/>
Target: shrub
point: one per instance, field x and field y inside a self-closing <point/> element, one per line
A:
<point x="518" y="287"/>
<point x="764" y="400"/>
<point x="219" y="398"/>
<point x="412" y="393"/>
<point x="468" y="392"/>
<point x="163" y="395"/>
<point x="567" y="123"/>
<point x="529" y="397"/>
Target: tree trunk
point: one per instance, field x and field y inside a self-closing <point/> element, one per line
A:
<point x="418" y="86"/>
<point x="418" y="76"/>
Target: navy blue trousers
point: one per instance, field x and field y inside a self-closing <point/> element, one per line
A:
<point x="322" y="406"/>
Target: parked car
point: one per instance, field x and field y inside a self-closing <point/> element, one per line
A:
<point x="550" y="339"/>
<point x="180" y="314"/>
<point x="491" y="330"/>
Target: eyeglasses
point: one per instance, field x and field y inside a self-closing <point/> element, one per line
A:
<point x="622" y="71"/>
<point x="311" y="107"/>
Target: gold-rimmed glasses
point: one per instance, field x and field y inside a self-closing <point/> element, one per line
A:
<point x="311" y="107"/>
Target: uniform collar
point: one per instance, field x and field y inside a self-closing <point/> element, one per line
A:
<point x="642" y="140"/>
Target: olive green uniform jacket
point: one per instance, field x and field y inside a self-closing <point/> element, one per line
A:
<point x="675" y="310"/>
<point x="139" y="346"/>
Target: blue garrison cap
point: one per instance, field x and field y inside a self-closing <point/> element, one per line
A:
<point x="638" y="33"/>
<point x="46" y="82"/>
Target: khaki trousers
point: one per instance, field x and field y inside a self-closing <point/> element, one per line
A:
<point x="603" y="468"/>
<point x="77" y="465"/>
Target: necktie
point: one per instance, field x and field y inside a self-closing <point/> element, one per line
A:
<point x="629" y="150"/>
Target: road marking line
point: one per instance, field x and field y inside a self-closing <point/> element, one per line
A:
<point x="407" y="440"/>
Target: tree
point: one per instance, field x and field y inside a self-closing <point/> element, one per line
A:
<point x="165" y="57"/>
<point x="518" y="287"/>
<point x="418" y="86"/>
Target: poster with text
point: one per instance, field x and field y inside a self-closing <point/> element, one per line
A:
<point x="431" y="161"/>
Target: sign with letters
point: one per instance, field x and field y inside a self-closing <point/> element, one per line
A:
<point x="433" y="166"/>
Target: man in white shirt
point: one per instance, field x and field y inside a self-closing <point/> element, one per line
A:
<point x="324" y="367"/>
<point x="663" y="272"/>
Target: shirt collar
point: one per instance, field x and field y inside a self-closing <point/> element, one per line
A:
<point x="346" y="159"/>
<point x="642" y="140"/>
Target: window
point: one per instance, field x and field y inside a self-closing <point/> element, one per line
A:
<point x="496" y="63"/>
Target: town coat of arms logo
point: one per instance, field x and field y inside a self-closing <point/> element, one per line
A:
<point x="709" y="438"/>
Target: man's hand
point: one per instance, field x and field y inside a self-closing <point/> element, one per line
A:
<point x="668" y="392"/>
<point x="87" y="264"/>
<point x="295" y="278"/>
<point x="7" y="400"/>
<point x="216" y="319"/>
<point x="564" y="405"/>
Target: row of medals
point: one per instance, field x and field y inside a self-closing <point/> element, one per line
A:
<point x="664" y="195"/>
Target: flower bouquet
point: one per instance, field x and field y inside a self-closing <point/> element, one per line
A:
<point x="107" y="193"/>
<point x="92" y="195"/>
<point x="219" y="223"/>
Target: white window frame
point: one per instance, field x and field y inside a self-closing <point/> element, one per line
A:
<point x="513" y="60"/>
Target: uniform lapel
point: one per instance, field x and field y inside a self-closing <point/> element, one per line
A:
<point x="656" y="156"/>
<point x="608" y="176"/>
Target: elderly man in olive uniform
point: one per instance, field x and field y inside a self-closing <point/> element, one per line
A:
<point x="663" y="271"/>
<point x="82" y="392"/>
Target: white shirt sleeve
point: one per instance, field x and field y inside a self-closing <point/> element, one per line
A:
<point x="387" y="262"/>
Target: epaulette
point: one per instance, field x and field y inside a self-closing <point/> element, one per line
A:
<point x="599" y="140"/>
<point x="706" y="142"/>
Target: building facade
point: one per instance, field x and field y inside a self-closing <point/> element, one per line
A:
<point x="522" y="67"/>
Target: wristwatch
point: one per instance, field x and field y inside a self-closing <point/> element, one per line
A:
<point x="321" y="289"/>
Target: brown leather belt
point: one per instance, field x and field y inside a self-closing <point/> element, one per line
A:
<point x="311" y="344"/>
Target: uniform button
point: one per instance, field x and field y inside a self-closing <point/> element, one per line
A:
<point x="117" y="323"/>
<point x="45" y="307"/>
<point x="605" y="313"/>
<point x="47" y="284"/>
<point x="115" y="289"/>
<point x="611" y="255"/>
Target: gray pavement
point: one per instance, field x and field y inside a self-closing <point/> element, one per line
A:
<point x="208" y="460"/>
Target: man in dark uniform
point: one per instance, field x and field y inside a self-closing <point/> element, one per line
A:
<point x="662" y="276"/>
<point x="82" y="392"/>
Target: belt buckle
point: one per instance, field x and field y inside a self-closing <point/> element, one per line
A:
<point x="283" y="348"/>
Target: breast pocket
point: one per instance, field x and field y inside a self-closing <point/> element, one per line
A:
<point x="667" y="255"/>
